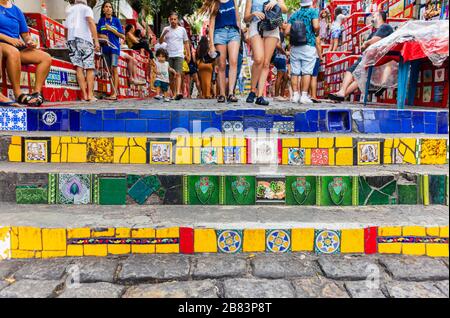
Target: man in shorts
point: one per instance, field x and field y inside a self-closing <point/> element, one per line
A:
<point x="177" y="43"/>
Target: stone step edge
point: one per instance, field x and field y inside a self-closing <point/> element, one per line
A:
<point x="29" y="242"/>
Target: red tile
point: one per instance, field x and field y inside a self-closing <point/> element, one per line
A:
<point x="370" y="240"/>
<point x="186" y="240"/>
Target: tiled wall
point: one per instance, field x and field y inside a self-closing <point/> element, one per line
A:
<point x="108" y="189"/>
<point x="160" y="121"/>
<point x="219" y="149"/>
<point x="30" y="242"/>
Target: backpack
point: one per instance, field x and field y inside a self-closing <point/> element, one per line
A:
<point x="298" y="33"/>
<point x="273" y="19"/>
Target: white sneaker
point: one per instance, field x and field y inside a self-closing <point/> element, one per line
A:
<point x="305" y="100"/>
<point x="296" y="97"/>
<point x="158" y="97"/>
<point x="167" y="99"/>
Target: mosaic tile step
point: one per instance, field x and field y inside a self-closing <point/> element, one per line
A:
<point x="224" y="149"/>
<point x="154" y="189"/>
<point x="32" y="242"/>
<point x="192" y="117"/>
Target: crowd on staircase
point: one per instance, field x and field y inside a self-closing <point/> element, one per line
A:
<point x="262" y="54"/>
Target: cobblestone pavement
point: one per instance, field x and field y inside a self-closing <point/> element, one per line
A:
<point x="227" y="276"/>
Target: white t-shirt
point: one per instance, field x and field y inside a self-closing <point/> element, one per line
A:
<point x="162" y="68"/>
<point x="338" y="22"/>
<point x="76" y="23"/>
<point x="175" y="39"/>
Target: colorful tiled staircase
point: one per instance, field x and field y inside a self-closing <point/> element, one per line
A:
<point x="117" y="179"/>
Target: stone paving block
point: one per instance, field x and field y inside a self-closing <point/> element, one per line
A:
<point x="154" y="268"/>
<point x="283" y="266"/>
<point x="443" y="287"/>
<point x="398" y="289"/>
<point x="257" y="288"/>
<point x="94" y="269"/>
<point x="415" y="268"/>
<point x="354" y="268"/>
<point x="9" y="267"/>
<point x="318" y="287"/>
<point x="216" y="266"/>
<point x="94" y="290"/>
<point x="3" y="284"/>
<point x="362" y="289"/>
<point x="189" y="289"/>
<point x="50" y="269"/>
<point x="28" y="288"/>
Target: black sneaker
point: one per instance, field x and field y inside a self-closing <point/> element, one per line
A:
<point x="262" y="101"/>
<point x="178" y="97"/>
<point x="251" y="98"/>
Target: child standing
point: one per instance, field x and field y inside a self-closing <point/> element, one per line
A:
<point x="336" y="28"/>
<point x="162" y="74"/>
<point x="324" y="22"/>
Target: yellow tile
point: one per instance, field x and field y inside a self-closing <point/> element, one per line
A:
<point x="239" y="142"/>
<point x="143" y="233"/>
<point x="16" y="140"/>
<point x="30" y="238"/>
<point x="95" y="250"/>
<point x="388" y="143"/>
<point x="308" y="142"/>
<point x="344" y="157"/>
<point x="254" y="240"/>
<point x="220" y="156"/>
<point x="326" y="142"/>
<point x="54" y="239"/>
<point x="77" y="153"/>
<point x="444" y="231"/>
<point x="123" y="232"/>
<point x="243" y="155"/>
<point x="396" y="142"/>
<point x="437" y="250"/>
<point x="195" y="142"/>
<point x="290" y="142"/>
<point x="197" y="156"/>
<point x="414" y="231"/>
<point x="74" y="250"/>
<point x="387" y="159"/>
<point x="413" y="248"/>
<point x="308" y="157"/>
<point x="390" y="248"/>
<point x="331" y="161"/>
<point x="22" y="254"/>
<point x="205" y="241"/>
<point x="119" y="249"/>
<point x="302" y="240"/>
<point x="138" y="155"/>
<point x="181" y="141"/>
<point x="390" y="231"/>
<point x="344" y="142"/>
<point x="285" y="156"/>
<point x="64" y="153"/>
<point x="55" y="144"/>
<point x="410" y="142"/>
<point x="218" y="141"/>
<point x="66" y="140"/>
<point x="56" y="157"/>
<point x="206" y="142"/>
<point x="79" y="233"/>
<point x="15" y="153"/>
<point x="168" y="233"/>
<point x="402" y="148"/>
<point x="410" y="157"/>
<point x="121" y="155"/>
<point x="37" y="254"/>
<point x="4" y="231"/>
<point x="14" y="234"/>
<point x="106" y="233"/>
<point x="120" y="141"/>
<point x="352" y="241"/>
<point x="52" y="254"/>
<point x="433" y="231"/>
<point x="82" y="139"/>
<point x="184" y="156"/>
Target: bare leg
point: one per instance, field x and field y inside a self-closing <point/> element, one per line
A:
<point x="306" y="81"/>
<point x="352" y="87"/>
<point x="90" y="77"/>
<point x="269" y="47"/>
<point x="313" y="87"/>
<point x="233" y="52"/>
<point x="82" y="83"/>
<point x="43" y="62"/>
<point x="222" y="65"/>
<point x="348" y="79"/>
<point x="258" y="60"/>
<point x="294" y="83"/>
<point x="13" y="65"/>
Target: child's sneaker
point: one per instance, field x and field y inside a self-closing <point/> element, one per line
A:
<point x="304" y="99"/>
<point x="158" y="97"/>
<point x="167" y="99"/>
<point x="296" y="98"/>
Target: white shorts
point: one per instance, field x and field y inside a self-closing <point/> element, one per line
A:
<point x="303" y="60"/>
<point x="253" y="30"/>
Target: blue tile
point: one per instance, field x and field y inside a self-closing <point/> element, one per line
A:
<point x="430" y="118"/>
<point x="418" y="122"/>
<point x="390" y="126"/>
<point x="406" y="126"/>
<point x="322" y="114"/>
<point x="158" y="126"/>
<point x="200" y="115"/>
<point x="216" y="121"/>
<point x="404" y="114"/>
<point x="154" y="114"/>
<point x="179" y="119"/>
<point x="54" y="120"/>
<point x="359" y="126"/>
<point x="117" y="125"/>
<point x="312" y="115"/>
<point x="301" y="125"/>
<point x="313" y="126"/>
<point x="233" y="113"/>
<point x="282" y="118"/>
<point x="377" y="113"/>
<point x="430" y="128"/>
<point x="323" y="127"/>
<point x="109" y="114"/>
<point x="371" y="126"/>
<point x="339" y="120"/>
<point x="74" y="118"/>
<point x="442" y="122"/>
<point x="32" y="119"/>
<point x="91" y="121"/>
<point x="258" y="122"/>
<point x="254" y="112"/>
<point x="120" y="114"/>
<point x="136" y="125"/>
<point x="392" y="114"/>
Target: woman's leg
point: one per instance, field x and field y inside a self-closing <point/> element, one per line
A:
<point x="197" y="84"/>
<point x="233" y="53"/>
<point x="258" y="60"/>
<point x="278" y="81"/>
<point x="115" y="76"/>
<point x="81" y="78"/>
<point x="269" y="47"/>
<point x="13" y="66"/>
<point x="222" y="64"/>
<point x="90" y="79"/>
<point x="42" y="60"/>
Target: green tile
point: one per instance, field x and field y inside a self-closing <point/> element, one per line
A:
<point x="300" y="190"/>
<point x="379" y="190"/>
<point x="202" y="190"/>
<point x="240" y="190"/>
<point x="437" y="189"/>
<point x="31" y="195"/>
<point x="407" y="194"/>
<point x="335" y="191"/>
<point x="112" y="191"/>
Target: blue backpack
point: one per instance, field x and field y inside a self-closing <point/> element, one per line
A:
<point x="298" y="34"/>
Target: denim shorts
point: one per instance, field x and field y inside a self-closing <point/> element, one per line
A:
<point x="111" y="59"/>
<point x="316" y="68"/>
<point x="163" y="85"/>
<point x="280" y="64"/>
<point x="223" y="36"/>
<point x="303" y="60"/>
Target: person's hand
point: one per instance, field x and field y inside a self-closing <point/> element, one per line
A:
<point x="15" y="42"/>
<point x="31" y="44"/>
<point x="108" y="27"/>
<point x="96" y="46"/>
<point x="270" y="5"/>
<point x="259" y="15"/>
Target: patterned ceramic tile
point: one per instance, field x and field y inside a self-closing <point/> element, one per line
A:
<point x="229" y="241"/>
<point x="319" y="157"/>
<point x="264" y="151"/>
<point x="284" y="127"/>
<point x="335" y="191"/>
<point x="73" y="189"/>
<point x="201" y="190"/>
<point x="327" y="241"/>
<point x="232" y="126"/>
<point x="368" y="153"/>
<point x="240" y="190"/>
<point x="296" y="156"/>
<point x="300" y="190"/>
<point x="270" y="190"/>
<point x="208" y="155"/>
<point x="31" y="195"/>
<point x="232" y="155"/>
<point x="100" y="150"/>
<point x="160" y="152"/>
<point x="36" y="150"/>
<point x="278" y="241"/>
<point x="13" y="119"/>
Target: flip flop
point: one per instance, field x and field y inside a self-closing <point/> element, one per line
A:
<point x="336" y="97"/>
<point x="9" y="104"/>
<point x="110" y="98"/>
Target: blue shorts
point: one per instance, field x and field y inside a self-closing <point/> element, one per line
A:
<point x="280" y="64"/>
<point x="316" y="68"/>
<point x="111" y="59"/>
<point x="223" y="36"/>
<point x="336" y="34"/>
<point x="163" y="85"/>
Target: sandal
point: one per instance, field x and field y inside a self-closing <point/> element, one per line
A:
<point x="25" y="99"/>
<point x="221" y="99"/>
<point x="39" y="97"/>
<point x="232" y="99"/>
